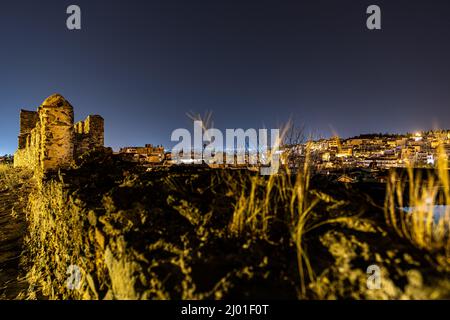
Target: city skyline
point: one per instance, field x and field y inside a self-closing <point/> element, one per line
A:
<point x="144" y="65"/>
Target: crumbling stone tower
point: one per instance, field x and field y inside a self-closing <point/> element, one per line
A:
<point x="89" y="134"/>
<point x="28" y="121"/>
<point x="48" y="139"/>
<point x="56" y="121"/>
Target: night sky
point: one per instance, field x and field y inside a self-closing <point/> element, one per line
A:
<point x="143" y="65"/>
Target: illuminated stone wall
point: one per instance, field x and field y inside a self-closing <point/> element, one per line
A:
<point x="48" y="138"/>
<point x="89" y="134"/>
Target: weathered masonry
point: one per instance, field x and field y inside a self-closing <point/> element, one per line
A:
<point x="49" y="139"/>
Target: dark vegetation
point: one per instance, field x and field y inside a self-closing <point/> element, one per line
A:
<point x="197" y="233"/>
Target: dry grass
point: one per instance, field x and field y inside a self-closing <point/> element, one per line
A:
<point x="421" y="194"/>
<point x="284" y="198"/>
<point x="9" y="177"/>
<point x="166" y="232"/>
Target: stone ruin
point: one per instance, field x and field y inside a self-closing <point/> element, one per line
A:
<point x="50" y="140"/>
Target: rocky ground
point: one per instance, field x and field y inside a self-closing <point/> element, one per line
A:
<point x="166" y="234"/>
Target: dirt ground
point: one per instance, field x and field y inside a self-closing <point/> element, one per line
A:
<point x="165" y="234"/>
<point x="12" y="231"/>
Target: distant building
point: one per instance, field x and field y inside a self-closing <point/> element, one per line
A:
<point x="376" y="151"/>
<point x="8" y="159"/>
<point x="344" y="152"/>
<point x="346" y="179"/>
<point x="148" y="154"/>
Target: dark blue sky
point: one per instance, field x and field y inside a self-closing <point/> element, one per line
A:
<point x="143" y="64"/>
